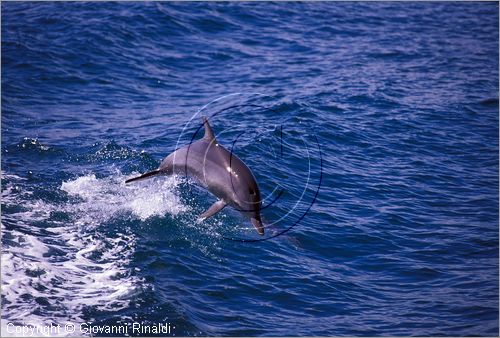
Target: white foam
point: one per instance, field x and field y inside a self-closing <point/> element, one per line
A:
<point x="111" y="196"/>
<point x="65" y="285"/>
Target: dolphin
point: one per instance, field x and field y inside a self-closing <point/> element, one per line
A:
<point x="221" y="172"/>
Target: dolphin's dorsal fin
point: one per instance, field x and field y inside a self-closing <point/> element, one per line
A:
<point x="209" y="134"/>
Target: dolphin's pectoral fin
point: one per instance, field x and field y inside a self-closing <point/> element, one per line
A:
<point x="258" y="225"/>
<point x="215" y="208"/>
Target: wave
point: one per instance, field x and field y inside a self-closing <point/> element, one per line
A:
<point x="75" y="265"/>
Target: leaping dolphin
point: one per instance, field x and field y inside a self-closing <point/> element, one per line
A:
<point x="219" y="171"/>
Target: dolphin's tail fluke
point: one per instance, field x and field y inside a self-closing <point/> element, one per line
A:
<point x="146" y="175"/>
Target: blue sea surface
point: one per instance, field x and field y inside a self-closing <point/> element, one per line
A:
<point x="372" y="129"/>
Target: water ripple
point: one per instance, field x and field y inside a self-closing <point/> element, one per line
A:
<point x="403" y="100"/>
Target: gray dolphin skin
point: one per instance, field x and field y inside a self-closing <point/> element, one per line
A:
<point x="221" y="172"/>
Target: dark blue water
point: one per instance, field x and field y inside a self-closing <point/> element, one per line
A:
<point x="391" y="108"/>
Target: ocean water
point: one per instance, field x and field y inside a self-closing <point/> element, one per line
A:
<point x="372" y="129"/>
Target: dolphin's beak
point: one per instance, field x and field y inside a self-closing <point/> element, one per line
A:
<point x="258" y="225"/>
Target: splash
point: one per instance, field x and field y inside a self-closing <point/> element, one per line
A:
<point x="108" y="197"/>
<point x="52" y="274"/>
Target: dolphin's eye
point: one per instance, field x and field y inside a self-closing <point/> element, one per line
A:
<point x="251" y="191"/>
